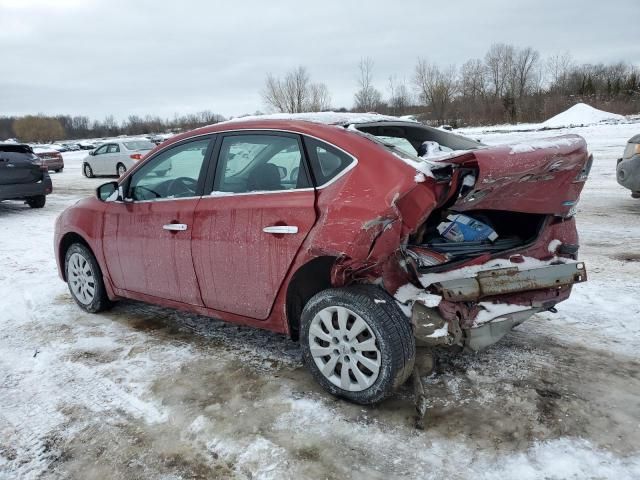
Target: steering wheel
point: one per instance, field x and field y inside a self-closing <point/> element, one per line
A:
<point x="182" y="185"/>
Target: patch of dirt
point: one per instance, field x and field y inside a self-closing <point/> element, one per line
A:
<point x="627" y="257"/>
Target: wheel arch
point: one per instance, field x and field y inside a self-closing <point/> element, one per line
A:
<point x="311" y="278"/>
<point x="67" y="240"/>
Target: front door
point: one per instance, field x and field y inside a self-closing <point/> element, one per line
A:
<point x="147" y="238"/>
<point x="249" y="229"/>
<point x="98" y="162"/>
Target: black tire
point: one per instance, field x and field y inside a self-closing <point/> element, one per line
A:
<point x="100" y="299"/>
<point x="87" y="170"/>
<point x="124" y="169"/>
<point x="392" y="330"/>
<point x="37" y="201"/>
<point x="58" y="170"/>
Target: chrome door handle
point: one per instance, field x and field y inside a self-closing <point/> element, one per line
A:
<point x="280" y="229"/>
<point x="175" y="227"/>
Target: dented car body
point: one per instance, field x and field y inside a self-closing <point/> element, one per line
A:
<point x="334" y="243"/>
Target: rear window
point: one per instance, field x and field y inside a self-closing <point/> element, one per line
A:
<point x="326" y="161"/>
<point x="16" y="148"/>
<point x="630" y="150"/>
<point x="139" y="145"/>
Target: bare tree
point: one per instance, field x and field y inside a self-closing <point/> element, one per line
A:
<point x="524" y="62"/>
<point x="558" y="67"/>
<point x="367" y="98"/>
<point x="288" y="94"/>
<point x="295" y="93"/>
<point x="399" y="96"/>
<point x="319" y="98"/>
<point x="473" y="81"/>
<point x="499" y="61"/>
<point x="436" y="87"/>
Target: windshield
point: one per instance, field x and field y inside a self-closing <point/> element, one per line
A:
<point x="139" y="145"/>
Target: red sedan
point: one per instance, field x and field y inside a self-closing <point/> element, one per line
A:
<point x="362" y="238"/>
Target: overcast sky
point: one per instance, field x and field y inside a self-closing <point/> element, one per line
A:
<point x="99" y="57"/>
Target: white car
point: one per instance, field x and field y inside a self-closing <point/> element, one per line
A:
<point x="115" y="157"/>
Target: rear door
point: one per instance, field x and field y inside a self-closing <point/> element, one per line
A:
<point x="249" y="228"/>
<point x="147" y="238"/>
<point x="18" y="165"/>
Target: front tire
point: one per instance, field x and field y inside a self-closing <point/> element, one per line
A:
<point x="357" y="343"/>
<point x="84" y="279"/>
<point x="88" y="172"/>
<point x="37" y="201"/>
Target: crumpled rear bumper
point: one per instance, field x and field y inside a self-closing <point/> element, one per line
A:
<point x="502" y="281"/>
<point x="478" y="311"/>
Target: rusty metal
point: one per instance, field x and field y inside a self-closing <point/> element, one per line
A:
<point x="502" y="281"/>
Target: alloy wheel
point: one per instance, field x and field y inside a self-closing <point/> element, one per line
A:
<point x="344" y="348"/>
<point x="81" y="279"/>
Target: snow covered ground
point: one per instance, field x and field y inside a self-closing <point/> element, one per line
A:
<point x="145" y="392"/>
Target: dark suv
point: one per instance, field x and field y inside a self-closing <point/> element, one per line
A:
<point x="628" y="168"/>
<point x="23" y="175"/>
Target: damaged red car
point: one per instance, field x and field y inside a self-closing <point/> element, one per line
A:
<point x="360" y="236"/>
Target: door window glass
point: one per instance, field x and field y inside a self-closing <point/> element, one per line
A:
<point x="171" y="174"/>
<point x="101" y="150"/>
<point x="249" y="163"/>
<point x="113" y="148"/>
<point x="326" y="161"/>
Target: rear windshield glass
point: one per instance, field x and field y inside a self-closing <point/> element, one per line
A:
<point x="139" y="145"/>
<point x="17" y="148"/>
<point x="630" y="150"/>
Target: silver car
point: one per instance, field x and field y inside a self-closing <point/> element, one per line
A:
<point x="628" y="168"/>
<point x="115" y="157"/>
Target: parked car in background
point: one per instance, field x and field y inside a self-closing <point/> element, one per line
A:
<point x="23" y="175"/>
<point x="115" y="157"/>
<point x="628" y="168"/>
<point x="71" y="147"/>
<point x="87" y="145"/>
<point x="51" y="157"/>
<point x="333" y="235"/>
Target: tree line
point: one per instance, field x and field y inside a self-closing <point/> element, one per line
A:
<point x="43" y="128"/>
<point x="509" y="84"/>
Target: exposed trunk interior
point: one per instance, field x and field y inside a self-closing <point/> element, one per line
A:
<point x="432" y="252"/>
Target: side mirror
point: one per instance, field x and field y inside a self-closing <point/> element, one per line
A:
<point x="283" y="172"/>
<point x="109" y="192"/>
<point x="92" y="152"/>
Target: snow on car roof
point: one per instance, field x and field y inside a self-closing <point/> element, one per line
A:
<point x="328" y="118"/>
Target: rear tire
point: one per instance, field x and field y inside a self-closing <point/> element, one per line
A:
<point x="120" y="169"/>
<point x="84" y="279"/>
<point x="37" y="201"/>
<point x="87" y="170"/>
<point x="58" y="170"/>
<point x="379" y="356"/>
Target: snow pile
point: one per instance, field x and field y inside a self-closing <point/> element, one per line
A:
<point x="329" y="118"/>
<point x="581" y="114"/>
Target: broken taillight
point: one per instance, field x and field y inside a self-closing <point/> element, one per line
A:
<point x="584" y="173"/>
